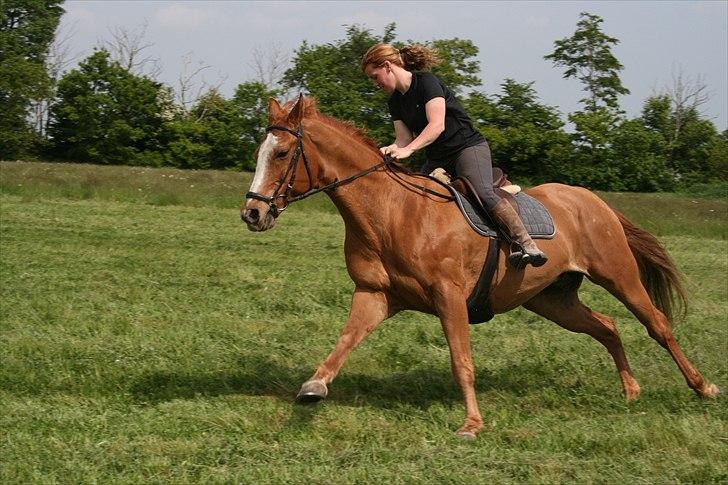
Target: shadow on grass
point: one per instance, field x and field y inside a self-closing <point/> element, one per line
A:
<point x="262" y="376"/>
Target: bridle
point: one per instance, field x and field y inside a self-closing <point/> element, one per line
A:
<point x="291" y="171"/>
<point x="290" y="175"/>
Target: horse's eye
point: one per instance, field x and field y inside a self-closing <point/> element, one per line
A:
<point x="282" y="154"/>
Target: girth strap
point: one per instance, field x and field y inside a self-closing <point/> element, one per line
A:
<point x="479" y="308"/>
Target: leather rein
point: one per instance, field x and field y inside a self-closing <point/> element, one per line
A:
<point x="290" y="175"/>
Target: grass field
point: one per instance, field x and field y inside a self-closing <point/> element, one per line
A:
<point x="148" y="337"/>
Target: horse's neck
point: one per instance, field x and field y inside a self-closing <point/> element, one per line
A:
<point x="365" y="203"/>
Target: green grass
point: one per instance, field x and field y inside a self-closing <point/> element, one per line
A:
<point x="716" y="190"/>
<point x="148" y="337"/>
<point x="662" y="214"/>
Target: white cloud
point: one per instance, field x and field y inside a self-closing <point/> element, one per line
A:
<point x="185" y="17"/>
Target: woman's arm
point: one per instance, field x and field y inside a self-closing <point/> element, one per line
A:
<point x="402" y="137"/>
<point x="435" y="112"/>
<point x="402" y="134"/>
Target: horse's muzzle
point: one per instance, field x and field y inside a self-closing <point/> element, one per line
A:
<point x="256" y="219"/>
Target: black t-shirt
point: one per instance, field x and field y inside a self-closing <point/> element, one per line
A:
<point x="410" y="109"/>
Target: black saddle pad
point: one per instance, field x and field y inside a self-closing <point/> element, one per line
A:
<point x="536" y="218"/>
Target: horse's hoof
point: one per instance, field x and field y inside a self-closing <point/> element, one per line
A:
<point x="466" y="435"/>
<point x="632" y="395"/>
<point x="312" y="392"/>
<point x="711" y="390"/>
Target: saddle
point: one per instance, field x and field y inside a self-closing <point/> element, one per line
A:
<point x="535" y="216"/>
<point x="500" y="180"/>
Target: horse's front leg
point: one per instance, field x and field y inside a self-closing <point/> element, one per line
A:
<point x="368" y="310"/>
<point x="453" y="313"/>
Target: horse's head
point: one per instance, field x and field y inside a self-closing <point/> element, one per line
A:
<point x="282" y="167"/>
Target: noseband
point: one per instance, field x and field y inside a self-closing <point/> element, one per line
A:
<point x="298" y="153"/>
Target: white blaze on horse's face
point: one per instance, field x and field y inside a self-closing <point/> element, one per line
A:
<point x="261" y="167"/>
<point x="256" y="213"/>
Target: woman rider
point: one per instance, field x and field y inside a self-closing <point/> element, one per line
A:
<point x="426" y="114"/>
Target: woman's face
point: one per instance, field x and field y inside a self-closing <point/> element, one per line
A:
<point x="382" y="77"/>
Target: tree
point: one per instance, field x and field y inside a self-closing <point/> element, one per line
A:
<point x="718" y="158"/>
<point x="591" y="159"/>
<point x="58" y="58"/>
<point x="26" y="30"/>
<point x="587" y="56"/>
<point x="656" y="114"/>
<point x="127" y="48"/>
<point x="688" y="137"/>
<point x="637" y="161"/>
<point x="218" y="133"/>
<point x="269" y="64"/>
<point x="459" y="67"/>
<point x="686" y="97"/>
<point x="191" y="84"/>
<point x="203" y="139"/>
<point x="105" y="114"/>
<point x="691" y="147"/>
<point x="251" y="107"/>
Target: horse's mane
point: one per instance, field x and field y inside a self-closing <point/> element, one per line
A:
<point x="311" y="111"/>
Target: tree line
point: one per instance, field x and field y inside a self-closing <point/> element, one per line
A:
<point x="108" y="110"/>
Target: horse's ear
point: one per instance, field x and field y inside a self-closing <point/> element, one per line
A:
<point x="297" y="112"/>
<point x="274" y="109"/>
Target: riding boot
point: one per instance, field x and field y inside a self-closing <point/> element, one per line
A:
<point x="509" y="220"/>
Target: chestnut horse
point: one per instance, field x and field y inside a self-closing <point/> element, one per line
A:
<point x="408" y="249"/>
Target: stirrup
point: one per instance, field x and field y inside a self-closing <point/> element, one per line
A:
<point x="519" y="258"/>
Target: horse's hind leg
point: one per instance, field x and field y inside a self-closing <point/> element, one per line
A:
<point x="562" y="306"/>
<point x="630" y="291"/>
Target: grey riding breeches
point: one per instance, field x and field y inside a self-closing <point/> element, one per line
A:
<point x="473" y="163"/>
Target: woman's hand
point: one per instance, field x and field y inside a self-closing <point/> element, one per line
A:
<point x="396" y="152"/>
<point x="387" y="149"/>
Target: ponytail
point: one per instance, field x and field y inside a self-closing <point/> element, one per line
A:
<point x="413" y="57"/>
<point x="418" y="58"/>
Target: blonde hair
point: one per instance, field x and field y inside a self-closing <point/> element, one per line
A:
<point x="412" y="57"/>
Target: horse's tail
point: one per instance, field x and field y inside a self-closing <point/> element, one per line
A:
<point x="661" y="278"/>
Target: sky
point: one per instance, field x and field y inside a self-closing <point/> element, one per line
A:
<point x="658" y="40"/>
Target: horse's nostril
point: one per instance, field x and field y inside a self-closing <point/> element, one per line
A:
<point x="252" y="216"/>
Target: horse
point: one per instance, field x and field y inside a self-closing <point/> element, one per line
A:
<point x="406" y="248"/>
